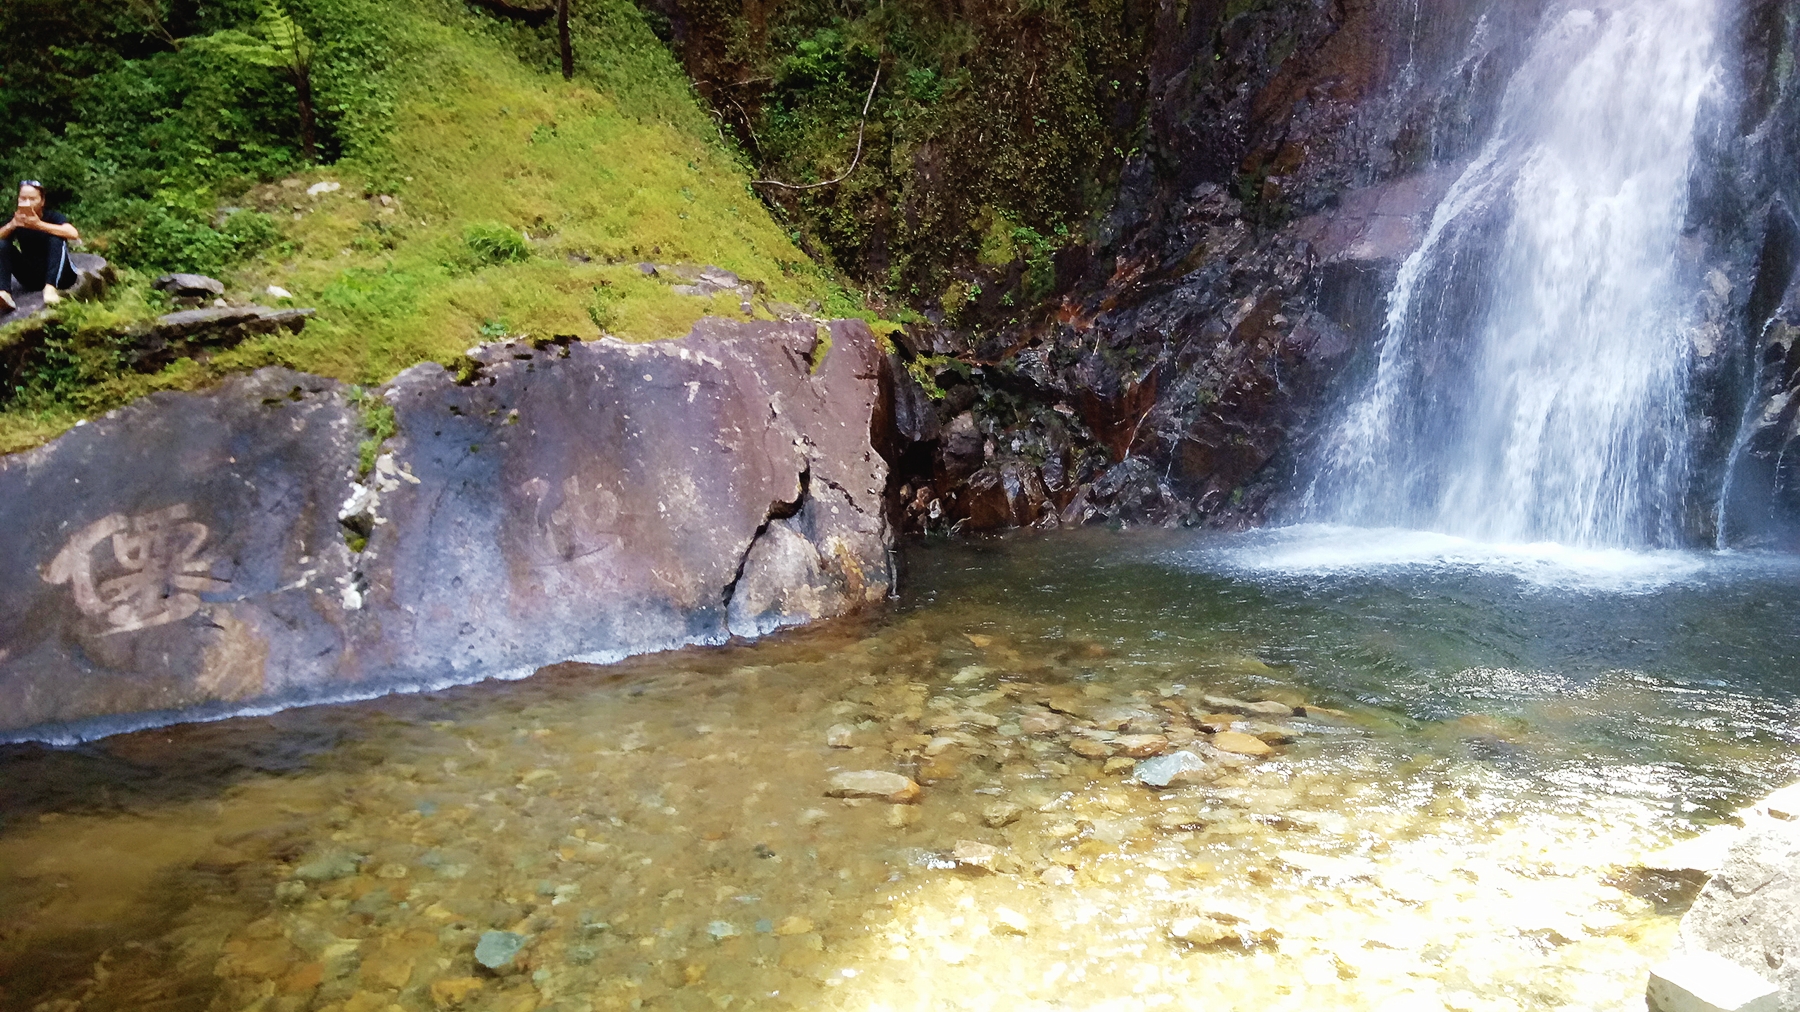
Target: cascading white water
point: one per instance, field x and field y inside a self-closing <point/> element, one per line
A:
<point x="1533" y="369"/>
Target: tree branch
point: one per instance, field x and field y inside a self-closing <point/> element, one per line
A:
<point x="147" y="10"/>
<point x="860" y="127"/>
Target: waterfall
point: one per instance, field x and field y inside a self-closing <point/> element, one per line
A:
<point x="1532" y="372"/>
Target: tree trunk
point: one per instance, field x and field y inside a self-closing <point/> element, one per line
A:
<point x="308" y="126"/>
<point x="562" y="37"/>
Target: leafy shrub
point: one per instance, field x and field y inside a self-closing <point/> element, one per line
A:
<point x="490" y="243"/>
<point x="249" y="232"/>
<point x="140" y="114"/>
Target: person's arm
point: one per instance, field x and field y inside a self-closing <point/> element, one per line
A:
<point x="67" y="233"/>
<point x="11" y="225"/>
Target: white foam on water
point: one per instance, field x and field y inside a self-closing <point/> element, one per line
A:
<point x="1312" y="550"/>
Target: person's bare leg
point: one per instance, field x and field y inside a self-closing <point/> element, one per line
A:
<point x="51" y="295"/>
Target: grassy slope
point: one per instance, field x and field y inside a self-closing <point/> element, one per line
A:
<point x="616" y="167"/>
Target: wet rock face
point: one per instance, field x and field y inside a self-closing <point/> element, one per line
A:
<point x="1745" y="327"/>
<point x="1294" y="161"/>
<point x="581" y="500"/>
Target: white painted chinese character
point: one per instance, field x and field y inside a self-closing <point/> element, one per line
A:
<point x="163" y="571"/>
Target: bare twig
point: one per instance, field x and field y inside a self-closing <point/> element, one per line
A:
<point x="860" y="127"/>
<point x="148" y="10"/>
<point x="754" y="141"/>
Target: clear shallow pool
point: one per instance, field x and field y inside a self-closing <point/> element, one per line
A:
<point x="1513" y="726"/>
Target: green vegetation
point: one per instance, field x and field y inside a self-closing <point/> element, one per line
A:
<point x="478" y="195"/>
<point x="995" y="136"/>
<point x="381" y="425"/>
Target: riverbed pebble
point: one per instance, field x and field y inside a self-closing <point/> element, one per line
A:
<point x="973" y="854"/>
<point x="1167" y="769"/>
<point x="1241" y="744"/>
<point x="1001" y="813"/>
<point x="1140" y="746"/>
<point x="879" y="784"/>
<point x="455" y="992"/>
<point x="1088" y="748"/>
<point x="497" y="949"/>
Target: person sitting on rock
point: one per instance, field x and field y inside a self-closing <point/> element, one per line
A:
<point x="34" y="248"/>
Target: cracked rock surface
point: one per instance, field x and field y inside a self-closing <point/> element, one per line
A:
<point x="562" y="501"/>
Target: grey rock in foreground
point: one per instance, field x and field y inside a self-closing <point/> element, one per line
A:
<point x="187" y="554"/>
<point x="1748" y="915"/>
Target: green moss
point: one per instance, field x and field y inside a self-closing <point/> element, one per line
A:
<point x="997" y="246"/>
<point x="821" y="349"/>
<point x="925" y="370"/>
<point x="381" y="425"/>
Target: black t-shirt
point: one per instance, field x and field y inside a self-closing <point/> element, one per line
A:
<point x="34" y="249"/>
<point x="34" y="244"/>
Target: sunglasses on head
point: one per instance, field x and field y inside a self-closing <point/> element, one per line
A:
<point x="34" y="184"/>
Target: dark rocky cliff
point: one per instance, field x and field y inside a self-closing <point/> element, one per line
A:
<point x="1239" y="273"/>
<point x="1748" y="216"/>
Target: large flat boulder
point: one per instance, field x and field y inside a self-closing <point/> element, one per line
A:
<point x="200" y="553"/>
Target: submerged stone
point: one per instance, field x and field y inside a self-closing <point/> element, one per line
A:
<point x="971" y="854"/>
<point x="1141" y="746"/>
<point x="497" y="949"/>
<point x="1167" y="769"/>
<point x="328" y="867"/>
<point x="891" y="787"/>
<point x="455" y="992"/>
<point x="1241" y="744"/>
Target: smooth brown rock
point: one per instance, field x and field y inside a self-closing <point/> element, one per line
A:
<point x="886" y="786"/>
<point x="1001" y="813"/>
<point x="793" y="924"/>
<point x="1272" y="734"/>
<point x="1240" y="743"/>
<point x="972" y="854"/>
<point x="1141" y="746"/>
<point x="1088" y="748"/>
